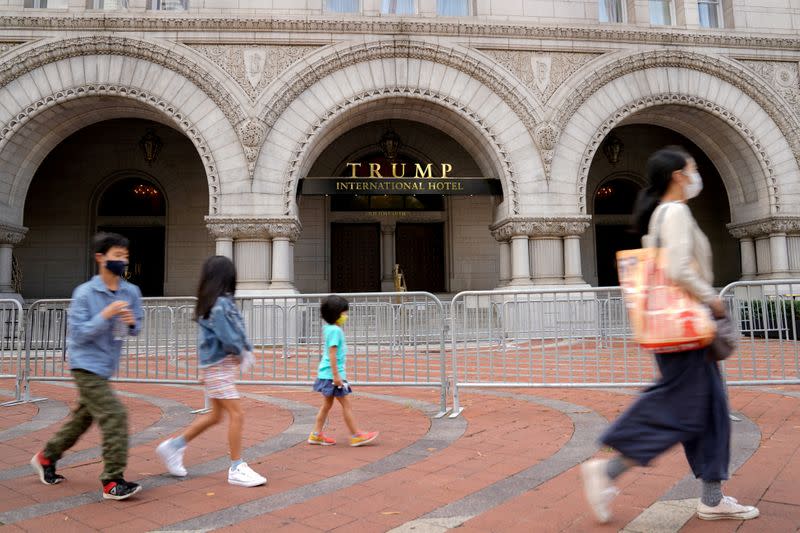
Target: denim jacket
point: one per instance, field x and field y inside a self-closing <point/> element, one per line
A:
<point x="222" y="333"/>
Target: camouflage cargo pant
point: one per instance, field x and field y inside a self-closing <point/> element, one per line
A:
<point x="96" y="402"/>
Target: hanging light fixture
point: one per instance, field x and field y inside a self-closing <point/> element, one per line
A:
<point x="389" y="144"/>
<point x="613" y="148"/>
<point x="150" y="144"/>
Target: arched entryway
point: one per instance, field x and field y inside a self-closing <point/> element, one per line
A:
<point x="617" y="175"/>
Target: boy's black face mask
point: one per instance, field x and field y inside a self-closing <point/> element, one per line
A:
<point x="117" y="268"/>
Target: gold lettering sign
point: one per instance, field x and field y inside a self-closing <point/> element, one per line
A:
<point x="398" y="170"/>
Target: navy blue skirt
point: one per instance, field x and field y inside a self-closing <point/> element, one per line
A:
<point x="688" y="405"/>
<point x="327" y="388"/>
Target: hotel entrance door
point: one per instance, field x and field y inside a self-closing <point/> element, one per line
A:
<point x="419" y="250"/>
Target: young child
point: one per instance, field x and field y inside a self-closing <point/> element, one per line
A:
<point x="331" y="377"/>
<point x="223" y="348"/>
<point x="103" y="310"/>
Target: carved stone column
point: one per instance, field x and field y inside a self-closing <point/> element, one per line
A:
<point x="10" y="236"/>
<point x="505" y="263"/>
<point x="748" y="250"/>
<point x="770" y="247"/>
<point x="779" y="255"/>
<point x="387" y="256"/>
<point x="516" y="232"/>
<point x="223" y="237"/>
<point x="284" y="234"/>
<point x="251" y="249"/>
<point x="547" y="259"/>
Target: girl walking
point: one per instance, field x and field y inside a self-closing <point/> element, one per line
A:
<point x="687" y="405"/>
<point x="332" y="377"/>
<point x="223" y="348"/>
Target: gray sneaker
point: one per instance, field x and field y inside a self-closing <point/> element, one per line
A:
<point x="598" y="488"/>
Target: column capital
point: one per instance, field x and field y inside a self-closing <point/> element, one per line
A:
<point x="12" y="234"/>
<point x="246" y="227"/>
<point x="556" y="226"/>
<point x="765" y="226"/>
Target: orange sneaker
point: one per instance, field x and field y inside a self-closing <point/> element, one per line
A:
<point x="365" y="437"/>
<point x="321" y="439"/>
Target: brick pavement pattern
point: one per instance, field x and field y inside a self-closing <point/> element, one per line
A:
<point x="508" y="463"/>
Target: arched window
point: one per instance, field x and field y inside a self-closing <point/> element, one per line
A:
<point x="132" y="197"/>
<point x="615" y="197"/>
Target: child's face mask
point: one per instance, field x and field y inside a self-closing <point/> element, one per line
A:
<point x="342" y="320"/>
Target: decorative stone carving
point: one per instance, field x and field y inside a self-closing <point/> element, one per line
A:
<point x="508" y="177"/>
<point x="254" y="67"/>
<point x="716" y="66"/>
<point x="674" y="99"/>
<point x="162" y="106"/>
<point x="245" y="227"/>
<point x="5" y="46"/>
<point x="152" y="52"/>
<point x="540" y="227"/>
<point x="12" y="234"/>
<point x="546" y="138"/>
<point x="252" y="133"/>
<point x="405" y="48"/>
<point x="784" y="76"/>
<point x="542" y="73"/>
<point x="765" y="226"/>
<point x="384" y="26"/>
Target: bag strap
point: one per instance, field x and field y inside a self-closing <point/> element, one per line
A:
<point x="657" y="228"/>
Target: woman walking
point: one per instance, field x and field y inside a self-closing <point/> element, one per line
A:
<point x="688" y="404"/>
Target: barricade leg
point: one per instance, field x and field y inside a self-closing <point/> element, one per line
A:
<point x="206" y="406"/>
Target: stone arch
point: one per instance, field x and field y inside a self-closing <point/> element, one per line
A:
<point x="474" y="113"/>
<point x="752" y="155"/>
<point x="105" y="83"/>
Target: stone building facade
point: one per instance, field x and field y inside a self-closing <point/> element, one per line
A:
<point x="192" y="126"/>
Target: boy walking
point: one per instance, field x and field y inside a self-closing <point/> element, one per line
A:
<point x="104" y="310"/>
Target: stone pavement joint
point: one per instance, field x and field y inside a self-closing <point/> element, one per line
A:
<point x="297" y="432"/>
<point x="587" y="425"/>
<point x="174" y="415"/>
<point x="50" y="411"/>
<point x="441" y="434"/>
<point x="666" y="516"/>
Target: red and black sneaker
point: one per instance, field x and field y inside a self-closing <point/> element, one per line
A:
<point x="46" y="469"/>
<point x="119" y="489"/>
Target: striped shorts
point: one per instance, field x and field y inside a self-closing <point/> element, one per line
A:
<point x="219" y="379"/>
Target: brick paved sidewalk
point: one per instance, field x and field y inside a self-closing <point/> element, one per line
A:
<point x="508" y="463"/>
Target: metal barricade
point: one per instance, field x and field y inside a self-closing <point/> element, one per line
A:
<point x="11" y="343"/>
<point x="768" y="316"/>
<point x="392" y="338"/>
<point x="544" y="338"/>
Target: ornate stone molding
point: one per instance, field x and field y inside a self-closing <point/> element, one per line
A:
<point x="252" y="133"/>
<point x="5" y="46"/>
<point x="765" y="226"/>
<point x="546" y="137"/>
<point x="100" y="89"/>
<point x="673" y="99"/>
<point x="152" y="52"/>
<point x="540" y="227"/>
<point x="461" y="109"/>
<point x="541" y="72"/>
<point x="245" y="227"/>
<point x="253" y="66"/>
<point x="375" y="25"/>
<point x="12" y="234"/>
<point x="718" y="67"/>
<point x="783" y="76"/>
<point x="406" y="48"/>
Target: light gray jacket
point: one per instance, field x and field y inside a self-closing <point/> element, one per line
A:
<point x="687" y="248"/>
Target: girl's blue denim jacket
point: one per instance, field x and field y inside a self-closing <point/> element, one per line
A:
<point x="222" y="333"/>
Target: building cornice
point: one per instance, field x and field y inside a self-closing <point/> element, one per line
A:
<point x="400" y="26"/>
<point x="765" y="227"/>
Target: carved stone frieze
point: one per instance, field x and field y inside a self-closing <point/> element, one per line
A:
<point x="725" y="70"/>
<point x="784" y="76"/>
<point x="152" y="52"/>
<point x="254" y="67"/>
<point x="541" y="72"/>
<point x="5" y="46"/>
<point x="100" y="89"/>
<point x="12" y="234"/>
<point x="405" y="48"/>
<point x="765" y="226"/>
<point x="508" y="172"/>
<point x="540" y="227"/>
<point x="674" y="99"/>
<point x="245" y="227"/>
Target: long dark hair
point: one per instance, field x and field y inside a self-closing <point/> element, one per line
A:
<point x="659" y="169"/>
<point x="217" y="278"/>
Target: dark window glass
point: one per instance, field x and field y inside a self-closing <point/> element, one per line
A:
<point x="615" y="197"/>
<point x="132" y="197"/>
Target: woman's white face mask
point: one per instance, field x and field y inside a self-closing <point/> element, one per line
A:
<point x="694" y="186"/>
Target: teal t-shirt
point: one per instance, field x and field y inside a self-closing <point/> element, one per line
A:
<point x="332" y="335"/>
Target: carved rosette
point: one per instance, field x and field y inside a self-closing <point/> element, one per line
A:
<point x="221" y="227"/>
<point x="540" y="227"/>
<point x="765" y="227"/>
<point x="546" y="137"/>
<point x="252" y="133"/>
<point x="11" y="234"/>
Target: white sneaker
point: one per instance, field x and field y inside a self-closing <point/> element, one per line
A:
<point x="598" y="488"/>
<point x="728" y="509"/>
<point x="172" y="457"/>
<point x="244" y="476"/>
